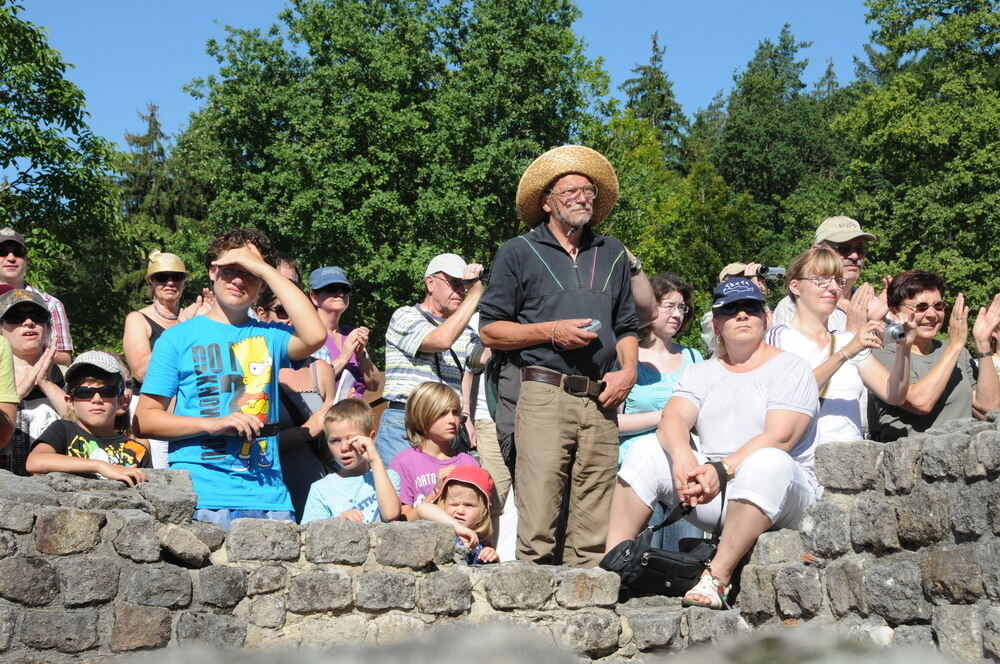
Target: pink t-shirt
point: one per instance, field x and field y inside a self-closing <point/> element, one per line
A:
<point x="418" y="472"/>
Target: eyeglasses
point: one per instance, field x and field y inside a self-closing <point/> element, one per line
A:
<point x="824" y="281"/>
<point x="752" y="307"/>
<point x="335" y="289"/>
<point x="921" y="307"/>
<point x="229" y="273"/>
<point x="18" y="316"/>
<point x="589" y="192"/>
<point x="8" y="248"/>
<point x="87" y="393"/>
<point x="846" y="250"/>
<point x="456" y="285"/>
<point x="671" y="307"/>
<point x="164" y="277"/>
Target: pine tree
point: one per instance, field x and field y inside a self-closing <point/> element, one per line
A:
<point x="650" y="95"/>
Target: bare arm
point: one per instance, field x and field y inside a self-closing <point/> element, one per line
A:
<point x="642" y="294"/>
<point x="44" y="459"/>
<point x="564" y="334"/>
<point x="153" y="421"/>
<point x="135" y="343"/>
<point x="986" y="396"/>
<point x="637" y="422"/>
<point x="8" y="413"/>
<point x="444" y="336"/>
<point x="618" y="383"/>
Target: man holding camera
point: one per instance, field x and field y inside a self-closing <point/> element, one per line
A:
<point x="560" y="303"/>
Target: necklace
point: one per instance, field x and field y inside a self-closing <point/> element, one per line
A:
<point x="163" y="315"/>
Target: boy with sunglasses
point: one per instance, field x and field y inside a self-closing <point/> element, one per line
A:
<point x="88" y="441"/>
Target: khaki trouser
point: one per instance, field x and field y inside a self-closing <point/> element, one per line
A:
<point x="491" y="459"/>
<point x="567" y="458"/>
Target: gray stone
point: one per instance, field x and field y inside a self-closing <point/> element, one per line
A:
<point x="913" y="635"/>
<point x="137" y="540"/>
<point x="900" y="461"/>
<point x="328" y="632"/>
<point x="989" y="563"/>
<point x="171" y="503"/>
<point x="394" y="627"/>
<point x="268" y="611"/>
<point x="951" y="575"/>
<point x="211" y="535"/>
<point x="8" y="620"/>
<point x="707" y="625"/>
<point x="337" y="541"/>
<point x="70" y="483"/>
<point x="222" y="585"/>
<point x="873" y="525"/>
<point x="959" y="631"/>
<point x="414" y="545"/>
<point x="65" y="631"/>
<point x="582" y="588"/>
<point x="592" y="631"/>
<point x="183" y="546"/>
<point x="799" y="592"/>
<point x="944" y="456"/>
<point x="518" y="585"/>
<point x="160" y="585"/>
<point x="104" y="500"/>
<point x="969" y="509"/>
<point x="779" y="546"/>
<point x="923" y="517"/>
<point x="385" y="590"/>
<point x="178" y="479"/>
<point x="825" y="530"/>
<point x="86" y="580"/>
<point x="983" y="455"/>
<point x="139" y="627"/>
<point x="227" y="632"/>
<point x="845" y="585"/>
<point x="8" y="544"/>
<point x="310" y="592"/>
<point x="757" y="595"/>
<point x="263" y="539"/>
<point x="655" y="629"/>
<point x="991" y="632"/>
<point x="17" y="515"/>
<point x="894" y="590"/>
<point x="26" y="490"/>
<point x="853" y="466"/>
<point x="444" y="592"/>
<point x="267" y="579"/>
<point x="28" y="580"/>
<point x="64" y="530"/>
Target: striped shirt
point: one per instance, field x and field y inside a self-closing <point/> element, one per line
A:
<point x="60" y="323"/>
<point x="406" y="367"/>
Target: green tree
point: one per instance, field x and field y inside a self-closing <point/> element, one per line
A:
<point x="650" y="95"/>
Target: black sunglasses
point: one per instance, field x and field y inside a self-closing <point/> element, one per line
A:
<point x="87" y="393"/>
<point x="164" y="277"/>
<point x="752" y="307"/>
<point x="13" y="248"/>
<point x="17" y="317"/>
<point x="278" y="311"/>
<point x="846" y="250"/>
<point x="335" y="289"/>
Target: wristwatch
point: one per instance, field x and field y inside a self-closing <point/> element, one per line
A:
<point x="635" y="267"/>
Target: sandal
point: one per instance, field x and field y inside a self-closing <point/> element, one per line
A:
<point x="710" y="587"/>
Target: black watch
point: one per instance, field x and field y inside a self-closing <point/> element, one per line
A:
<point x="636" y="266"/>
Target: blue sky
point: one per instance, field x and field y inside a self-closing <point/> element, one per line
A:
<point x="129" y="52"/>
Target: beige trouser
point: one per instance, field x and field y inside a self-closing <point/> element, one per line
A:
<point x="567" y="458"/>
<point x="491" y="458"/>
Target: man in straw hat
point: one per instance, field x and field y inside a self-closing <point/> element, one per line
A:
<point x="560" y="301"/>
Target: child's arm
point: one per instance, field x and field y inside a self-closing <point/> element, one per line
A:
<point x="431" y="512"/>
<point x="488" y="555"/>
<point x="43" y="458"/>
<point x="388" y="500"/>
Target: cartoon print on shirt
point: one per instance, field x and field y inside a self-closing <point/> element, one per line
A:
<point x="256" y="366"/>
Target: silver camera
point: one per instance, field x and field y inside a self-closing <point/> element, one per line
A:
<point x="896" y="332"/>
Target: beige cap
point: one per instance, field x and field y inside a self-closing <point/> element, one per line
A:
<point x="840" y="229"/>
<point x="163" y="262"/>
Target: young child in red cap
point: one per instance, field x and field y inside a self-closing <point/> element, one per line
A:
<point x="464" y="502"/>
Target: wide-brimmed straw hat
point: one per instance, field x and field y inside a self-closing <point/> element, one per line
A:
<point x="160" y="261"/>
<point x="554" y="164"/>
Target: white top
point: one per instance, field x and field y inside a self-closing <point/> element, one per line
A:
<point x="732" y="407"/>
<point x="785" y="310"/>
<point x="840" y="409"/>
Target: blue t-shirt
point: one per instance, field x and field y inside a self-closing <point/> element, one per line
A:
<point x="333" y="495"/>
<point x="215" y="369"/>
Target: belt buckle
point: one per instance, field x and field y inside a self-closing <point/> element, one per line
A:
<point x="576" y="386"/>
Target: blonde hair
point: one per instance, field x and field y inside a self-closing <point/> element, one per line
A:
<point x="816" y="260"/>
<point x="352" y="411"/>
<point x="426" y="404"/>
<point x="484" y="524"/>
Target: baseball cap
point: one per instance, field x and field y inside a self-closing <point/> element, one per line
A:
<point x="95" y="358"/>
<point x="451" y="264"/>
<point x="840" y="229"/>
<point x="735" y="290"/>
<point x="473" y="475"/>
<point x="19" y="295"/>
<point x="327" y="276"/>
<point x="8" y="234"/>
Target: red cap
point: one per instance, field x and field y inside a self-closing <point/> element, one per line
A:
<point x="473" y="475"/>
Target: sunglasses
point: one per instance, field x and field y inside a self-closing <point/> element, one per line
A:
<point x="456" y="285"/>
<point x="19" y="316"/>
<point x="87" y="393"/>
<point x="921" y="307"/>
<point x="13" y="248"/>
<point x="846" y="250"/>
<point x="164" y="277"/>
<point x="335" y="289"/>
<point x="752" y="307"/>
<point x="278" y="311"/>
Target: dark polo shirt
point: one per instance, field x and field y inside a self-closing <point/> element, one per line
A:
<point x="534" y="280"/>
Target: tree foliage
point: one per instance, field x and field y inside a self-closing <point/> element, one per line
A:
<point x="650" y="95"/>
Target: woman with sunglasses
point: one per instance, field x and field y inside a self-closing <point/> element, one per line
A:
<point x="753" y="407"/>
<point x="842" y="362"/>
<point x="945" y="381"/>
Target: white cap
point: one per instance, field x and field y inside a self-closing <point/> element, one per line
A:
<point x="96" y="358"/>
<point x="451" y="264"/>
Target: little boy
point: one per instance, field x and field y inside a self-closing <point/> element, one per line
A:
<point x="362" y="489"/>
<point x="90" y="443"/>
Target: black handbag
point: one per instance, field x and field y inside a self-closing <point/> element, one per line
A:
<point x="645" y="570"/>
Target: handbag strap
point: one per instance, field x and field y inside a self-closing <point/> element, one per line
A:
<point x="437" y="362"/>
<point x="681" y="510"/>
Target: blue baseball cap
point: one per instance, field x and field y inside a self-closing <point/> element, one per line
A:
<point x="735" y="290"/>
<point x="327" y="276"/>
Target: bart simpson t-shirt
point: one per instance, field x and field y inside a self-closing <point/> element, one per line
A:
<point x="215" y="369"/>
<point x="71" y="439"/>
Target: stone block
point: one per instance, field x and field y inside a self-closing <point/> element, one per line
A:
<point x="104" y="500"/>
<point x="845" y="585"/>
<point x="582" y="588"/>
<point x="414" y="545"/>
<point x="655" y="629"/>
<point x="171" y="503"/>
<point x="138" y="627"/>
<point x="87" y="580"/>
<point x="944" y="456"/>
<point x="798" y="590"/>
<point x="26" y="490"/>
<point x="70" y="483"/>
<point x="8" y="544"/>
<point x="268" y="611"/>
<point x="222" y="585"/>
<point x="211" y="535"/>
<point x="873" y="524"/>
<point x="337" y="541"/>
<point x="63" y="530"/>
<point x="853" y="466"/>
<point x="924" y="517"/>
<point x="8" y="620"/>
<point x="65" y="631"/>
<point x="17" y="516"/>
<point x="959" y="631"/>
<point x="444" y="592"/>
<point x="895" y="592"/>
<point x="707" y="625"/>
<point x="177" y="479"/>
<point x="159" y="585"/>
<point x="227" y="632"/>
<point x="137" y="540"/>
<point x="914" y="635"/>
<point x="267" y="579"/>
<point x="396" y="627"/>
<point x="991" y="633"/>
<point x="826" y="530"/>
<point x="900" y="464"/>
<point x="329" y="632"/>
<point x="757" y="594"/>
<point x="183" y="546"/>
<point x="982" y="455"/>
<point x="263" y="539"/>
<point x="592" y="631"/>
<point x="310" y="592"/>
<point x="969" y="507"/>
<point x="951" y="575"/>
<point x="28" y="580"/>
<point x="377" y="591"/>
<point x="989" y="563"/>
<point x="779" y="546"/>
<point x="517" y="585"/>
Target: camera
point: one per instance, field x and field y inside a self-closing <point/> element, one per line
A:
<point x="765" y="272"/>
<point x="896" y="332"/>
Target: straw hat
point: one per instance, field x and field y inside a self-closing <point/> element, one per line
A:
<point x="554" y="164"/>
<point x="164" y="262"/>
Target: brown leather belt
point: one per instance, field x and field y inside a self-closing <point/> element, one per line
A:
<point x="577" y="386"/>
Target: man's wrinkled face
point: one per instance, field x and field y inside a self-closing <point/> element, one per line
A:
<point x="571" y="200"/>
